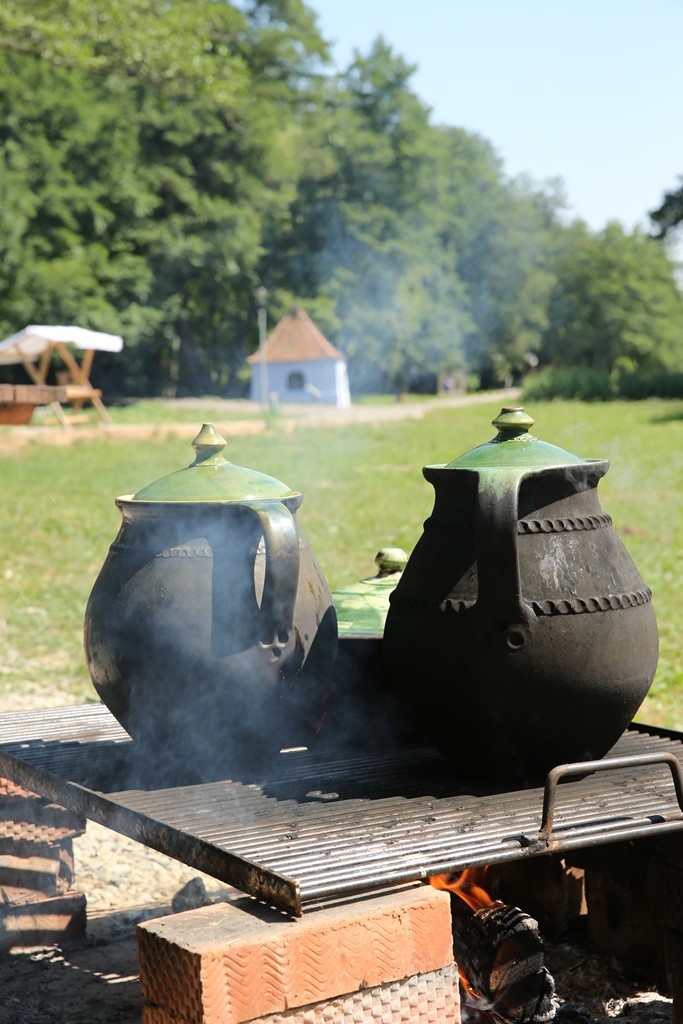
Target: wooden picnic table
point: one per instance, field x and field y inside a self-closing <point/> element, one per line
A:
<point x="18" y="401"/>
<point x="33" y="348"/>
<point x="75" y="383"/>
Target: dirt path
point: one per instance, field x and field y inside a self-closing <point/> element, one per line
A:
<point x="240" y="419"/>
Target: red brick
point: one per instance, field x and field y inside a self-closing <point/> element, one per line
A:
<point x="431" y="998"/>
<point x="49" y="869"/>
<point x="230" y="963"/>
<point x="37" y="821"/>
<point x="13" y="789"/>
<point x="33" y="919"/>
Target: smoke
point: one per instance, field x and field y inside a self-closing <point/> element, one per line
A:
<point x="364" y="713"/>
<point x="211" y="668"/>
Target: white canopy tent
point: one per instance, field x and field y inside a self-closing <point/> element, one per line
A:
<point x="36" y="338"/>
<point x="33" y="348"/>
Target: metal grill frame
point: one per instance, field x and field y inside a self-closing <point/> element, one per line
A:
<point x="320" y="827"/>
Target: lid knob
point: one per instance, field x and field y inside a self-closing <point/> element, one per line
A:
<point x="390" y="560"/>
<point x="512" y="421"/>
<point x="207" y="443"/>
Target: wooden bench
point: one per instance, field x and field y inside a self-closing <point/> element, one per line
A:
<point x="78" y="392"/>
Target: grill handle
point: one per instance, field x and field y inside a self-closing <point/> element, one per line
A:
<point x="562" y="771"/>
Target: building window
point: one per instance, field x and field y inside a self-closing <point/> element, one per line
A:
<point x="296" y="381"/>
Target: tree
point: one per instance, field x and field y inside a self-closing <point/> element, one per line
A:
<point x="357" y="248"/>
<point x="615" y="304"/>
<point x="415" y="251"/>
<point x="161" y="158"/>
<point x="670" y="213"/>
<point x="503" y="245"/>
<point x="142" y="146"/>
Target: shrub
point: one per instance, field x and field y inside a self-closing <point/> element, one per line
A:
<point x="650" y="384"/>
<point x="569" y="383"/>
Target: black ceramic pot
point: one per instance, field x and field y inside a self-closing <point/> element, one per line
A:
<point x="520" y="633"/>
<point x="210" y="631"/>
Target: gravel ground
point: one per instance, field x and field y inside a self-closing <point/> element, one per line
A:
<point x="119" y="875"/>
<point x="96" y="981"/>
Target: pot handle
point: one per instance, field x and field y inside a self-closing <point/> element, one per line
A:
<point x="281" y="539"/>
<point x="500" y="589"/>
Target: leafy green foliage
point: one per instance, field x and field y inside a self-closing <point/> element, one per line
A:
<point x="577" y="382"/>
<point x="669" y="214"/>
<point x="140" y="153"/>
<point x="615" y="304"/>
<point x="159" y="159"/>
<point x="638" y="384"/>
<point x="587" y="385"/>
<point x="429" y="260"/>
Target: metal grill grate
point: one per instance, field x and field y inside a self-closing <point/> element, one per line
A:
<point x="324" y="826"/>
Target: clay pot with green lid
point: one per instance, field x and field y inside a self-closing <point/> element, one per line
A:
<point x="210" y="631"/>
<point x="362" y="607"/>
<point x="525" y="610"/>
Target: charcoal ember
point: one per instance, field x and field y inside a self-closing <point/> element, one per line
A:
<point x="568" y="1013"/>
<point x="500" y="953"/>
<point x="191" y="896"/>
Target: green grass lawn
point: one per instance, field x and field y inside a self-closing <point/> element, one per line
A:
<point x="363" y="489"/>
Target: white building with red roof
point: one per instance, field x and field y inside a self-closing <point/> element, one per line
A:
<point x="302" y="365"/>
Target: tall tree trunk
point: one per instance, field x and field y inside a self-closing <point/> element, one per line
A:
<point x="237" y="353"/>
<point x="198" y="381"/>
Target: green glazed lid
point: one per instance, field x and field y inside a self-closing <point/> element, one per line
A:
<point x="514" y="447"/>
<point x="362" y="607"/>
<point x="212" y="478"/>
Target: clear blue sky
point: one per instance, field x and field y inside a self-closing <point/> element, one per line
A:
<point x="590" y="91"/>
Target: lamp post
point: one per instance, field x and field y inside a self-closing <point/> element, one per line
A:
<point x="261" y="296"/>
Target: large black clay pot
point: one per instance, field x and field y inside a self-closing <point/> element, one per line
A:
<point x="210" y="631"/>
<point x="520" y="633"/>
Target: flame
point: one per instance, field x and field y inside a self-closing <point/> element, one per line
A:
<point x="495" y="946"/>
<point x="466" y="885"/>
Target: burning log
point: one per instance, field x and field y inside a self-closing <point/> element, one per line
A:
<point x="500" y="954"/>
